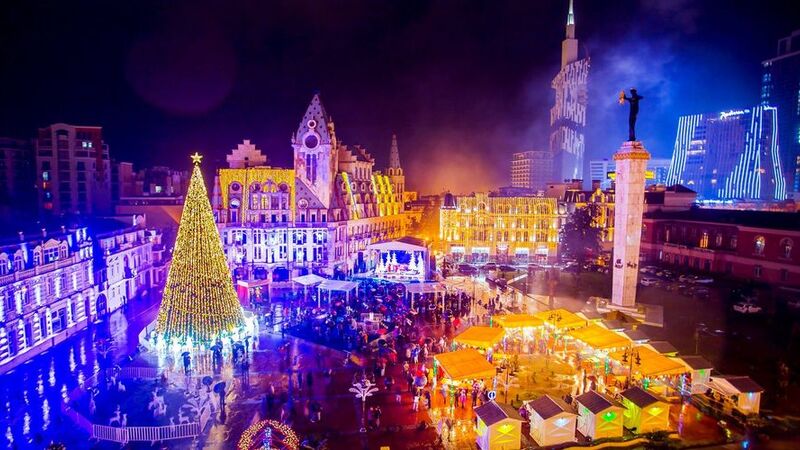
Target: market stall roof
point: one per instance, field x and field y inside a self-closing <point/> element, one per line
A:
<point x="599" y="338"/>
<point x="639" y="397"/>
<point x="518" y="321"/>
<point x="663" y="347"/>
<point x="652" y="363"/>
<point x="636" y="335"/>
<point x="547" y="406"/>
<point x="695" y="362"/>
<point x="465" y="364"/>
<point x="734" y="384"/>
<point x="477" y="336"/>
<point x="309" y="280"/>
<point x="567" y="320"/>
<point x="492" y="412"/>
<point x="596" y="402"/>
<point x="613" y="324"/>
<point x="429" y="287"/>
<point x="338" y="285"/>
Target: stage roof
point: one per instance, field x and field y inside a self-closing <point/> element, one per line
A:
<point x="477" y="336"/>
<point x="599" y="338"/>
<point x="429" y="287"/>
<point x="568" y="320"/>
<point x="518" y="321"/>
<point x="465" y="364"/>
<point x="407" y="244"/>
<point x="338" y="285"/>
<point x="652" y="363"/>
<point x="309" y="280"/>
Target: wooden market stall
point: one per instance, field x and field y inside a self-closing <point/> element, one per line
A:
<point x="644" y="412"/>
<point x="653" y="368"/>
<point x="499" y="427"/>
<point x="516" y="321"/>
<point x="553" y="421"/>
<point x="738" y="393"/>
<point x="463" y="365"/>
<point x="599" y="338"/>
<point x="699" y="373"/>
<point x="480" y="337"/>
<point x="561" y="319"/>
<point x="599" y="416"/>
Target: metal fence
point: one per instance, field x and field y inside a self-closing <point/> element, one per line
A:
<point x="145" y="434"/>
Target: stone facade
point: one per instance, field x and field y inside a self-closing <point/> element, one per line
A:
<point x="631" y="161"/>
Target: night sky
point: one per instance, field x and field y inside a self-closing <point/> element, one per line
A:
<point x="462" y="83"/>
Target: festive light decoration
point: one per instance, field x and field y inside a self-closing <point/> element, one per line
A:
<point x="199" y="303"/>
<point x="281" y="437"/>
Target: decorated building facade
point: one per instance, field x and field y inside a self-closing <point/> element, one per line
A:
<point x="319" y="215"/>
<point x="484" y="227"/>
<point x="54" y="284"/>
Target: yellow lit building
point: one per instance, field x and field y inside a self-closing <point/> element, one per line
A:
<point x="485" y="227"/>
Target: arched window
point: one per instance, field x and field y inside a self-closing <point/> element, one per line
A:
<point x="759" y="245"/>
<point x="786" y="247"/>
<point x="718" y="240"/>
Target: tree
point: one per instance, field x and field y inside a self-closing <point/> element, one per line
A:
<point x="581" y="235"/>
<point x="199" y="303"/>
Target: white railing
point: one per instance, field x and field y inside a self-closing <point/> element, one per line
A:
<point x="139" y="372"/>
<point x="145" y="434"/>
<point x="112" y="434"/>
<point x="205" y="416"/>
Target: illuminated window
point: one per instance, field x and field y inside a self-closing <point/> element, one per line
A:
<point x="718" y="240"/>
<point x="704" y="239"/>
<point x="759" y="245"/>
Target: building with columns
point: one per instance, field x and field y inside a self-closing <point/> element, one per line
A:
<point x="631" y="160"/>
<point x="484" y="227"/>
<point x="319" y="215"/>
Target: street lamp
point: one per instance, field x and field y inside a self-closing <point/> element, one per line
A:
<point x="363" y="389"/>
<point x="554" y="318"/>
<point x="629" y="356"/>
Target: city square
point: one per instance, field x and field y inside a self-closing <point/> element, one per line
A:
<point x="619" y="272"/>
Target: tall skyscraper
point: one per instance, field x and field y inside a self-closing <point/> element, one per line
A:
<point x="731" y="155"/>
<point x="532" y="169"/>
<point x="568" y="114"/>
<point x="73" y="170"/>
<point x="780" y="87"/>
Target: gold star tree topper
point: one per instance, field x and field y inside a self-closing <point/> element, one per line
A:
<point x="196" y="158"/>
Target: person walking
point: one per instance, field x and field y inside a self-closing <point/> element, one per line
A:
<point x="415" y="403"/>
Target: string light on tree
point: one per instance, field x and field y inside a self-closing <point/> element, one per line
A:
<point x="199" y="304"/>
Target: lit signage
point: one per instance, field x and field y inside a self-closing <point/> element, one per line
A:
<point x="648" y="175"/>
<point x="733" y="112"/>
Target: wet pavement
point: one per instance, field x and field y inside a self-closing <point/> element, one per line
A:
<point x="32" y="393"/>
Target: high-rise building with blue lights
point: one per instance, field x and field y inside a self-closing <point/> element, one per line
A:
<point x="780" y="87"/>
<point x="732" y="155"/>
<point x="568" y="114"/>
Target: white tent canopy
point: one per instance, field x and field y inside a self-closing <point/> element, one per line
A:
<point x="335" y="285"/>
<point x="429" y="287"/>
<point x="397" y="245"/>
<point x="309" y="280"/>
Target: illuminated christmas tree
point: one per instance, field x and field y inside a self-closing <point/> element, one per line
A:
<point x="199" y="304"/>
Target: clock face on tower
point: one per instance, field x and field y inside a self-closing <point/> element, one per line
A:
<point x="311" y="141"/>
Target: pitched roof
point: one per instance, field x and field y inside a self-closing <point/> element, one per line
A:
<point x="596" y="402"/>
<point x="547" y="407"/>
<point x="695" y="362"/>
<point x="639" y="397"/>
<point x="663" y="347"/>
<point x="636" y="335"/>
<point x="743" y="384"/>
<point x="493" y="412"/>
<point x="465" y="364"/>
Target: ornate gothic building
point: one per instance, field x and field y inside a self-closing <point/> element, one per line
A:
<point x="319" y="215"/>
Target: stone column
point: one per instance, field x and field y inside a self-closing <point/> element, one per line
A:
<point x="631" y="161"/>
